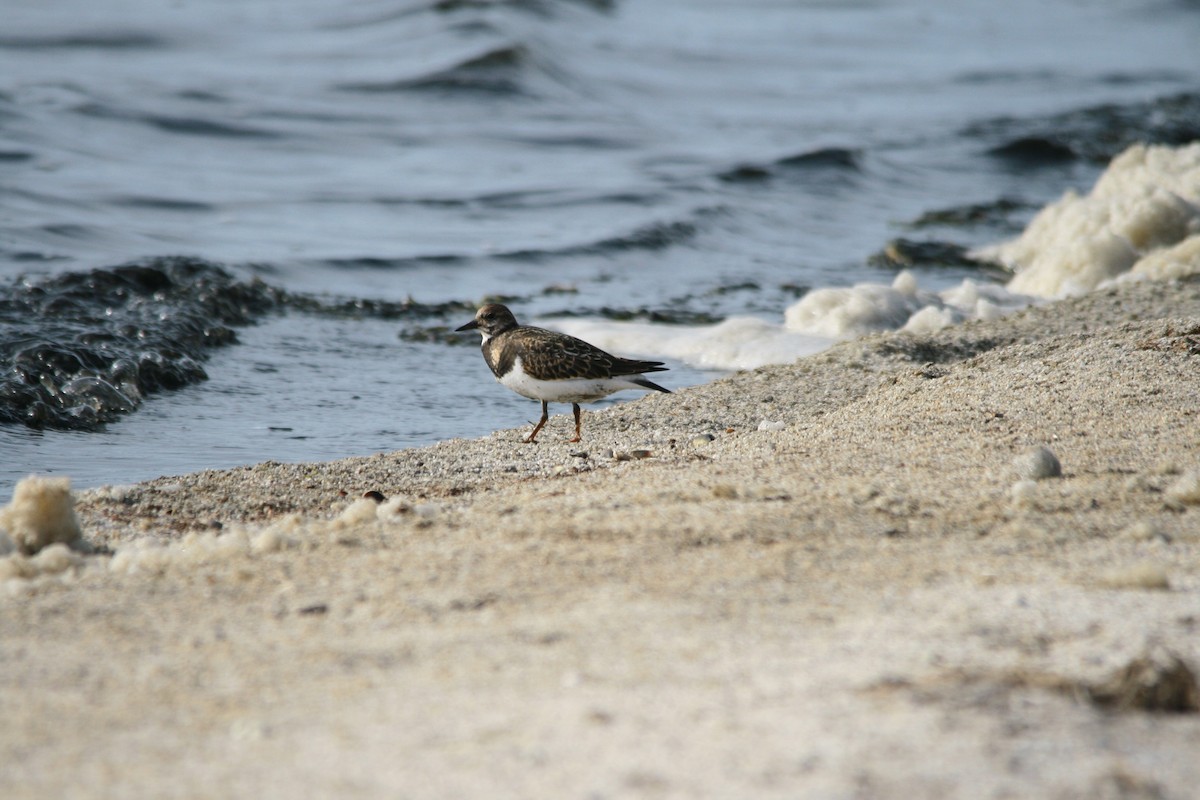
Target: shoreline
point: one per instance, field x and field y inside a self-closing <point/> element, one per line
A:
<point x="820" y="579"/>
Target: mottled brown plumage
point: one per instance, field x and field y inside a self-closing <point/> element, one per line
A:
<point x="550" y="356"/>
<point x="554" y="367"/>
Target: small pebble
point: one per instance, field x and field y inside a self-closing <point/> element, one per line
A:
<point x="1037" y="463"/>
<point x="770" y="425"/>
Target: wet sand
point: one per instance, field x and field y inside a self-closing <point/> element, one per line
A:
<point x="837" y="578"/>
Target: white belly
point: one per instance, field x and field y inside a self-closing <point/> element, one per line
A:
<point x="575" y="390"/>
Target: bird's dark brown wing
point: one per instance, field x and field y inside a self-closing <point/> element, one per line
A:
<point x="548" y="355"/>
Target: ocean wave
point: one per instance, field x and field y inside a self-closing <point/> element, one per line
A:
<point x="498" y="70"/>
<point x="672" y="314"/>
<point x="538" y="6"/>
<point x="162" y="203"/>
<point x="824" y="158"/>
<point x="1140" y="221"/>
<point x="398" y="263"/>
<point x="1096" y="133"/>
<point x="90" y="40"/>
<point x="190" y="126"/>
<point x="655" y="236"/>
<point x="651" y="236"/>
<point x="522" y="199"/>
<point x="997" y="214"/>
<point x="354" y="17"/>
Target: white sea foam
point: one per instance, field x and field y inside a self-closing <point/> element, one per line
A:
<point x="41" y="513"/>
<point x="844" y="313"/>
<point x="736" y="343"/>
<point x="819" y="319"/>
<point x="1140" y="221"/>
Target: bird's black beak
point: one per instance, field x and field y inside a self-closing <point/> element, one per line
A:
<point x="470" y="326"/>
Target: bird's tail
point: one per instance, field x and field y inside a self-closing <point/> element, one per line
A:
<point x="647" y="384"/>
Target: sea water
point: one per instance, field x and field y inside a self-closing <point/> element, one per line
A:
<point x="244" y="231"/>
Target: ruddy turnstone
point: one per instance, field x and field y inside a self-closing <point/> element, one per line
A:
<point x="554" y="367"/>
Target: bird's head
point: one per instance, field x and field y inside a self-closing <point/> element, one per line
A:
<point x="490" y="320"/>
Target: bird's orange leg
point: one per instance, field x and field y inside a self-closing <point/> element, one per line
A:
<point x="575" y="408"/>
<point x="541" y="422"/>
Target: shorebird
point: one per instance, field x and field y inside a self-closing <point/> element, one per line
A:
<point x="554" y="367"/>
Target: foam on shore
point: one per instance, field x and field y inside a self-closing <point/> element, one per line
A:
<point x="41" y="513"/>
<point x="1140" y="221"/>
<point x="821" y="318"/>
<point x="735" y="343"/>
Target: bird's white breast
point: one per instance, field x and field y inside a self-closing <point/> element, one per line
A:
<point x="571" y="390"/>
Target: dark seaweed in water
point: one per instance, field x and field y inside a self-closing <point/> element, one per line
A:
<point x="905" y="253"/>
<point x="998" y="214"/>
<point x="78" y="350"/>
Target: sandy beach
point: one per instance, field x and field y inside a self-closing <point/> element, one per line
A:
<point x="851" y="576"/>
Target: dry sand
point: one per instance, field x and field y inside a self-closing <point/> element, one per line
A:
<point x="879" y="593"/>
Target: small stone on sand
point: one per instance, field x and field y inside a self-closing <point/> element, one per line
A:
<point x="1037" y="463"/>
